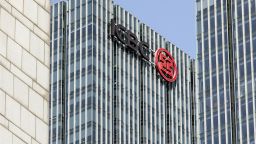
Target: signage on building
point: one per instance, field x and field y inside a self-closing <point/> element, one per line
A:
<point x="129" y="40"/>
<point x="166" y="65"/>
<point x="164" y="62"/>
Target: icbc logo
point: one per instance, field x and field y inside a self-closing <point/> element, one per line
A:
<point x="164" y="62"/>
<point x="166" y="65"/>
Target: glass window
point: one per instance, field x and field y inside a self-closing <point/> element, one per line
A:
<point x="251" y="129"/>
<point x="243" y="111"/>
<point x="221" y="98"/>
<point x="222" y="119"/>
<point x="223" y="138"/>
<point x="214" y="102"/>
<point x="216" y="136"/>
<point x="215" y="122"/>
<point x="250" y="107"/>
<point x="89" y="8"/>
<point x="244" y="131"/>
<point x="208" y="104"/>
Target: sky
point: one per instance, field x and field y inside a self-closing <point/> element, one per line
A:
<point x="173" y="19"/>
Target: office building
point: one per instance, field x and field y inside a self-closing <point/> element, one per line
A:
<point x="24" y="71"/>
<point x="105" y="87"/>
<point x="213" y="99"/>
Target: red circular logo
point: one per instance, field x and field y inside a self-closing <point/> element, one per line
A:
<point x="166" y="65"/>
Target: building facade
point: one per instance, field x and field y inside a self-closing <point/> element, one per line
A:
<point x="103" y="92"/>
<point x="24" y="71"/>
<point x="213" y="113"/>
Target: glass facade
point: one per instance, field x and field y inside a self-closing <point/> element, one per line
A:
<point x="103" y="93"/>
<point x="212" y="63"/>
<point x="57" y="65"/>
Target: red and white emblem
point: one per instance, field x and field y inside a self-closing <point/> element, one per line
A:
<point x="166" y="65"/>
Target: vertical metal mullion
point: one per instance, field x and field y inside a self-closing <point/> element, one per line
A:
<point x="175" y="100"/>
<point x="110" y="70"/>
<point x="100" y="46"/>
<point x="145" y="96"/>
<point x="155" y="92"/>
<point x="167" y="128"/>
<point x="151" y="89"/>
<point x="129" y="57"/>
<point x="86" y="66"/>
<point x="253" y="69"/>
<point x="245" y="77"/>
<point x="68" y="71"/>
<point x="114" y="101"/>
<point x="58" y="84"/>
<point x="203" y="71"/>
<point x="159" y="97"/>
<point x="80" y="76"/>
<point x="75" y="73"/>
<point x="138" y="89"/>
<point x="231" y="72"/>
<point x="210" y="73"/>
<point x="123" y="119"/>
<point x="51" y="76"/>
<point x="124" y="58"/>
<point x="171" y="103"/>
<point x="180" y="96"/>
<point x="192" y="103"/>
<point x="132" y="119"/>
<point x="185" y="88"/>
<point x="95" y="50"/>
<point x="252" y="74"/>
<point x="120" y="51"/>
<point x="217" y="68"/>
<point x="141" y="98"/>
<point x="63" y="72"/>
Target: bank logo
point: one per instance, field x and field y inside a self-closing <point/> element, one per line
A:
<point x="166" y="65"/>
<point x="164" y="62"/>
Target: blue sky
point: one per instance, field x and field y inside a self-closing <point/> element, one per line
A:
<point x="173" y="19"/>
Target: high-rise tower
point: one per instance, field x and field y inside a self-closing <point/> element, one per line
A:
<point x="213" y="96"/>
<point x="104" y="89"/>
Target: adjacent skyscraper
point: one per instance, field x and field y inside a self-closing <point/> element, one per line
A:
<point x="213" y="114"/>
<point x="103" y="87"/>
<point x="24" y="71"/>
